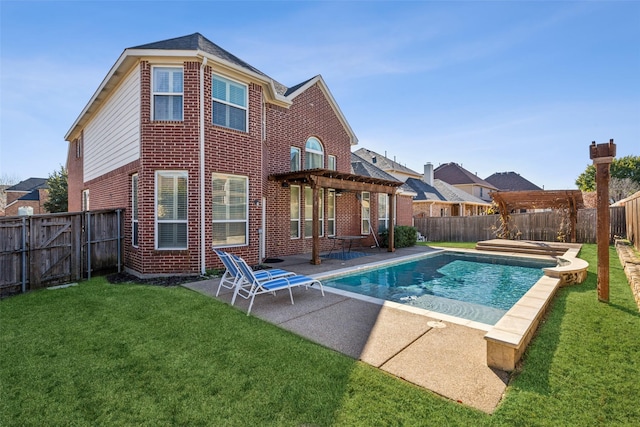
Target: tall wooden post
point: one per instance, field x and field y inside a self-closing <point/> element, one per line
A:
<point x="602" y="156"/>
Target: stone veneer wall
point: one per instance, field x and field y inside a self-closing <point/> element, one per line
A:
<point x="631" y="263"/>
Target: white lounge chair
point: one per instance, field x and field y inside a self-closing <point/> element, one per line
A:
<point x="258" y="287"/>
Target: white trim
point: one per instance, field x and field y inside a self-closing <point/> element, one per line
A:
<point x="299" y="216"/>
<point x="135" y="203"/>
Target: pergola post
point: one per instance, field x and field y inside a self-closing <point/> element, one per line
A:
<point x="392" y="209"/>
<point x="602" y="156"/>
<point x="315" y="224"/>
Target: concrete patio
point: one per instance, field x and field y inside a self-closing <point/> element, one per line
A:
<point x="443" y="354"/>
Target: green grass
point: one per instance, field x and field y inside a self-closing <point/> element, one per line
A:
<point x="101" y="354"/>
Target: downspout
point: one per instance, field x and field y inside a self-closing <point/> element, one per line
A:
<point x="203" y="258"/>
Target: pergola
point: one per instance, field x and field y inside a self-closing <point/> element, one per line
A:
<point x="571" y="200"/>
<point x="325" y="178"/>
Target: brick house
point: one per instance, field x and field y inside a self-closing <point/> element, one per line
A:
<point x="204" y="151"/>
<point x="431" y="197"/>
<point x="30" y="193"/>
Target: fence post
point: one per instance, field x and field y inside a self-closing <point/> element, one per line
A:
<point x="119" y="242"/>
<point x="24" y="255"/>
<point x="88" y="228"/>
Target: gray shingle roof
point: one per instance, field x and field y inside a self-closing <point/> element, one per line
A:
<point x="360" y="166"/>
<point x="455" y="174"/>
<point x="383" y="162"/>
<point x="441" y="191"/>
<point x="29" y="185"/>
<point x="197" y="41"/>
<point x="511" y="181"/>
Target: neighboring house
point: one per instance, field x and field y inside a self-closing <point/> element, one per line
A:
<point x="437" y="198"/>
<point x="30" y="193"/>
<point x="511" y="181"/>
<point x="456" y="175"/>
<point x="405" y="194"/>
<point x="204" y="151"/>
<point x="393" y="168"/>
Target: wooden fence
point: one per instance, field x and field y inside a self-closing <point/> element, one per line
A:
<point x="538" y="226"/>
<point x="632" y="211"/>
<point x="44" y="250"/>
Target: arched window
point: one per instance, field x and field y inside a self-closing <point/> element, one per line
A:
<point x="313" y="154"/>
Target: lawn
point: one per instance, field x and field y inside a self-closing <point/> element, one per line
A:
<point x="103" y="354"/>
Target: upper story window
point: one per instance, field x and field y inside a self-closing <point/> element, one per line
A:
<point x="167" y="93"/>
<point x="295" y="159"/>
<point x="230" y="102"/>
<point x="331" y="163"/>
<point x="313" y="154"/>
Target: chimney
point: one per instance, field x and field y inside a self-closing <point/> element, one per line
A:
<point x="428" y="174"/>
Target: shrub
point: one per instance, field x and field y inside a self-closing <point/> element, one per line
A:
<point x="404" y="237"/>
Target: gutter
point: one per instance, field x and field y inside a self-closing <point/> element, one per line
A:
<point x="202" y="254"/>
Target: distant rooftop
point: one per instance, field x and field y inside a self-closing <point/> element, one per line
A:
<point x="511" y="181"/>
<point x="455" y="174"/>
<point x="29" y="185"/>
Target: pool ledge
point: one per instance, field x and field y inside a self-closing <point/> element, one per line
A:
<point x="509" y="337"/>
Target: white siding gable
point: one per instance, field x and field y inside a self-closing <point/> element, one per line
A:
<point x="112" y="137"/>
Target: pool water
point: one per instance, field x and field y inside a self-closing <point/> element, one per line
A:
<point x="475" y="287"/>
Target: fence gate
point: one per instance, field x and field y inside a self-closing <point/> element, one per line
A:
<point x="54" y="249"/>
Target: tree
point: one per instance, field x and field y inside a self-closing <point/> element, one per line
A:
<point x="625" y="177"/>
<point x="58" y="193"/>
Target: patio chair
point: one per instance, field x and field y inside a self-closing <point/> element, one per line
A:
<point x="232" y="276"/>
<point x="258" y="287"/>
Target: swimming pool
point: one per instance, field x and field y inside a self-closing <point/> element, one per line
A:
<point x="475" y="287"/>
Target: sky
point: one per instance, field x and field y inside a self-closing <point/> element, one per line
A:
<point x="495" y="86"/>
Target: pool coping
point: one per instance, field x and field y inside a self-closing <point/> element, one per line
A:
<point x="509" y="337"/>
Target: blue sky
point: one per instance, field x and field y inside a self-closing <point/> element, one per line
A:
<point x="494" y="86"/>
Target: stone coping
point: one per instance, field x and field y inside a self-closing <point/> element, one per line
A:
<point x="509" y="337"/>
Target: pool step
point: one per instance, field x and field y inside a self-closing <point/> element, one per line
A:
<point x="525" y="247"/>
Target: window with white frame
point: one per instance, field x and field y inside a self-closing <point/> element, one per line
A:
<point x="313" y="154"/>
<point x="134" y="210"/>
<point x="167" y="93"/>
<point x="295" y="211"/>
<point x="331" y="163"/>
<point x="171" y="209"/>
<point x="230" y="102"/>
<point x="308" y="212"/>
<point x="331" y="212"/>
<point x="295" y="159"/>
<point x="365" y="212"/>
<point x="383" y="212"/>
<point x="85" y="200"/>
<point x="230" y="210"/>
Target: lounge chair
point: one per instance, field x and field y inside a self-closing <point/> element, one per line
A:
<point x="258" y="287"/>
<point x="232" y="277"/>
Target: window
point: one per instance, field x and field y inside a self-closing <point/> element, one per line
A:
<point x="230" y="210"/>
<point x="331" y="212"/>
<point x="295" y="159"/>
<point x="295" y="212"/>
<point x="308" y="212"/>
<point x="383" y="212"/>
<point x="171" y="210"/>
<point x="365" y="201"/>
<point x="229" y="104"/>
<point x="331" y="163"/>
<point x="85" y="200"/>
<point x="134" y="210"/>
<point x="313" y="154"/>
<point x="167" y="93"/>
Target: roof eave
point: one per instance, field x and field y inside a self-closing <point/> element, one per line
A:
<point x="131" y="56"/>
